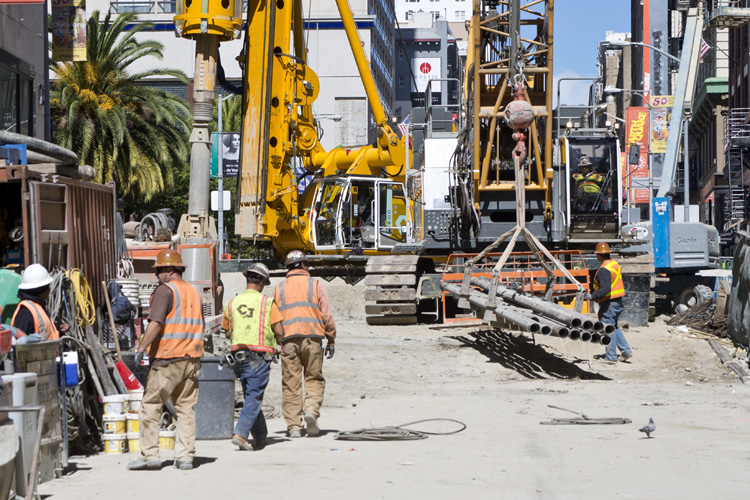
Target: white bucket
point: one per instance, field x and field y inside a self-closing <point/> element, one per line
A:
<point x="166" y="440"/>
<point x="134" y="444"/>
<point x="133" y="423"/>
<point x="113" y="424"/>
<point x="114" y="443"/>
<point x="114" y="405"/>
<point x="134" y="400"/>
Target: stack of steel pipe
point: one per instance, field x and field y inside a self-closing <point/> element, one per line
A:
<point x="533" y="314"/>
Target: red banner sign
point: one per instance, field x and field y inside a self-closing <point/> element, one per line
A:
<point x="636" y="132"/>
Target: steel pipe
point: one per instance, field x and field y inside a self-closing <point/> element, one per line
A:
<point x="609" y="329"/>
<point x="575" y="335"/>
<point x="596" y="338"/>
<point x="605" y="340"/>
<point x="522" y="321"/>
<point x="598" y="326"/>
<point x="586" y="336"/>
<point x="559" y="313"/>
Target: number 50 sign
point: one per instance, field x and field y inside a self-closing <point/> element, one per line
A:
<point x="662" y="101"/>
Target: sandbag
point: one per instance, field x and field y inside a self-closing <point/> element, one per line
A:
<point x="738" y="317"/>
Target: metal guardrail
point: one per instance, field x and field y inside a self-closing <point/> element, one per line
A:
<point x="144" y="7"/>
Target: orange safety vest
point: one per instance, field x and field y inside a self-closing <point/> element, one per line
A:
<point x="183" y="329"/>
<point x="297" y="300"/>
<point x="617" y="289"/>
<point x="42" y="324"/>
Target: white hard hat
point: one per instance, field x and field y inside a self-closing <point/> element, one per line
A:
<point x="260" y="270"/>
<point x="35" y="276"/>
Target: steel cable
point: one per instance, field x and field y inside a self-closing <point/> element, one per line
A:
<point x="397" y="433"/>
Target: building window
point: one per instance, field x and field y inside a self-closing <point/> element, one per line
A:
<point x="401" y="81"/>
<point x="460" y="14"/>
<point x="16" y="102"/>
<point x="435" y="15"/>
<point x="401" y="54"/>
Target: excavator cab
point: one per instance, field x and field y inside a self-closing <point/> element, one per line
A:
<point x="594" y="186"/>
<point x="360" y="213"/>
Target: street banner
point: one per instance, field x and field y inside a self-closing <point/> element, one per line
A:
<point x="661" y="106"/>
<point x="12" y="2"/>
<point x="68" y="30"/>
<point x="636" y="132"/>
<point x="231" y="154"/>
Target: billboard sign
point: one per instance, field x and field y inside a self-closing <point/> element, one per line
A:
<point x="661" y="106"/>
<point x="425" y="69"/>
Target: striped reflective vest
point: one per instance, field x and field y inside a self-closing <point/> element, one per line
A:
<point x="249" y="316"/>
<point x="591" y="183"/>
<point x="183" y="329"/>
<point x="297" y="299"/>
<point x="42" y="324"/>
<point x="617" y="288"/>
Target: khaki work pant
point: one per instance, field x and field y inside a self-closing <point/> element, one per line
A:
<point x="301" y="355"/>
<point x="177" y="381"/>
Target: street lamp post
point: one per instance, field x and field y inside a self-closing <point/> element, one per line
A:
<point x="612" y="90"/>
<point x="221" y="175"/>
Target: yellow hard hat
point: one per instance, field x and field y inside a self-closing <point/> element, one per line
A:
<point x="170" y="258"/>
<point x="602" y="248"/>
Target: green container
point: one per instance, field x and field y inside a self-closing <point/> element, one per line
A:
<point x="9" y="281"/>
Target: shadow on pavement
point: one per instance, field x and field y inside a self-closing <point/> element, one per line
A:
<point x="520" y="354"/>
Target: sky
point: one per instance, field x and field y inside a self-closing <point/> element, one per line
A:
<point x="579" y="26"/>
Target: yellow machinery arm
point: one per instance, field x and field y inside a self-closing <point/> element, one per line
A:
<point x="278" y="128"/>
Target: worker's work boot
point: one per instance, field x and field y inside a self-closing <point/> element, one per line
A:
<point x="312" y="424"/>
<point x="626" y="356"/>
<point x="243" y="443"/>
<point x="295" y="432"/>
<point x="183" y="464"/>
<point x="142" y="464"/>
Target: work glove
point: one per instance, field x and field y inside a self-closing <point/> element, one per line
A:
<point x="139" y="357"/>
<point x="587" y="296"/>
<point x="276" y="356"/>
<point x="330" y="350"/>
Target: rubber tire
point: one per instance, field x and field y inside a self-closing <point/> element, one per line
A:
<point x="689" y="297"/>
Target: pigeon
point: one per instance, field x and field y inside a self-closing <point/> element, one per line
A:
<point x="649" y="427"/>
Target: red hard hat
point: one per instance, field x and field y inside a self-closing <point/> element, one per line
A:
<point x="169" y="257"/>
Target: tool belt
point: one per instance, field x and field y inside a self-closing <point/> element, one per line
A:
<point x="245" y="355"/>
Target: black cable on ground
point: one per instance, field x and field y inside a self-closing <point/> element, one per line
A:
<point x="398" y="433"/>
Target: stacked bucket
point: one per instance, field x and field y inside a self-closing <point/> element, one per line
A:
<point x="122" y="425"/>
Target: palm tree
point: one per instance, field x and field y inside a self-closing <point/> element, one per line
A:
<point x="130" y="133"/>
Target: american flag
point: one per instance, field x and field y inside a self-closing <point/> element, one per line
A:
<point x="705" y="49"/>
<point x="403" y="127"/>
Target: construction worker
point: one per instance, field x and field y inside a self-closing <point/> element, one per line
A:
<point x="252" y="322"/>
<point x="31" y="319"/>
<point x="174" y="340"/>
<point x="608" y="292"/>
<point x="588" y="184"/>
<point x="307" y="319"/>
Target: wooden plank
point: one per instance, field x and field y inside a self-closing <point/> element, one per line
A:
<point x="738" y="367"/>
<point x="378" y="260"/>
<point x="390" y="279"/>
<point x="391" y="308"/>
<point x="391" y="320"/>
<point x="392" y="268"/>
<point x="637" y="268"/>
<point x="394" y="294"/>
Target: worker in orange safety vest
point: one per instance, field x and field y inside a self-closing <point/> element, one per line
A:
<point x="174" y="340"/>
<point x="608" y="292"/>
<point x="31" y="320"/>
<point x="307" y="320"/>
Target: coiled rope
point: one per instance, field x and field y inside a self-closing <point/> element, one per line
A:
<point x="398" y="433"/>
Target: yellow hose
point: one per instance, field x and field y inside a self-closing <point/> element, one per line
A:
<point x="85" y="308"/>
